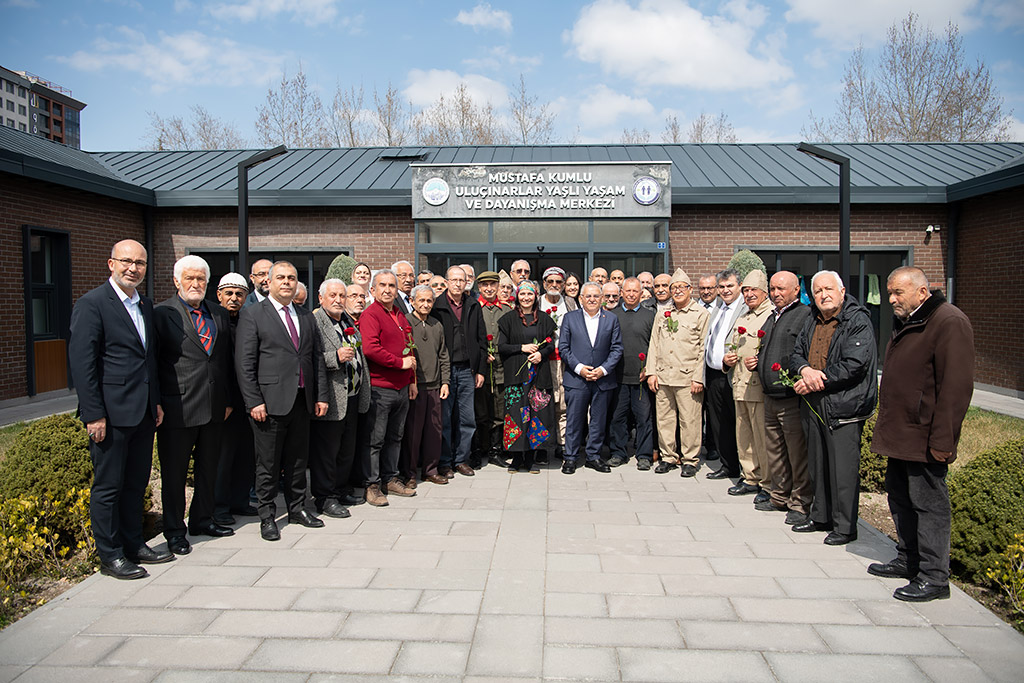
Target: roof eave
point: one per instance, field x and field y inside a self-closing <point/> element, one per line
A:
<point x="1002" y="179"/>
<point x="59" y="174"/>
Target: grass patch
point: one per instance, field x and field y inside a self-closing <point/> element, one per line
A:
<point x="984" y="430"/>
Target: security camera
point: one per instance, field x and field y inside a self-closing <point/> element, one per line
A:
<point x="540" y="247"/>
<point x="932" y="228"/>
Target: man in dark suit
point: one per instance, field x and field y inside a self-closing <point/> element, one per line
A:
<point x="194" y="360"/>
<point x="281" y="374"/>
<point x="590" y="344"/>
<point x="113" y="363"/>
<point x="406" y="276"/>
<point x="260" y="277"/>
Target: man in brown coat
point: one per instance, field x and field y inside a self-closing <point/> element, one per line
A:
<point x="926" y="389"/>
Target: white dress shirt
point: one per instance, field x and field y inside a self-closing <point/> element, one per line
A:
<point x="592" y="322"/>
<point x="132" y="305"/>
<point x="289" y="310"/>
<point x="716" y="344"/>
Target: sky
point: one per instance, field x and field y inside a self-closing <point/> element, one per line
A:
<point x="602" y="66"/>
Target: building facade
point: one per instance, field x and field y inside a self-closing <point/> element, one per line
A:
<point x="37" y="106"/>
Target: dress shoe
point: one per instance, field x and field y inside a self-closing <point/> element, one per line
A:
<point x="838" y="538"/>
<point x="810" y="525"/>
<point x="496" y="459"/>
<point x="688" y="471"/>
<point x="921" y="591"/>
<point x="123" y="568"/>
<point x="223" y="519"/>
<point x="643" y="464"/>
<point x="793" y="518"/>
<point x="179" y="546"/>
<point x="464" y="469"/>
<point x="375" y="497"/>
<point x="743" y="489"/>
<point x="305" y="518"/>
<point x="396" y="487"/>
<point x="762" y="497"/>
<point x="720" y="473"/>
<point x="146" y="555"/>
<point x="894" y="569"/>
<point x="447" y="473"/>
<point x="568" y="467"/>
<point x="664" y="467"/>
<point x="212" y="529"/>
<point x="766" y="505"/>
<point x="247" y="511"/>
<point x="269" y="530"/>
<point x="615" y="461"/>
<point x="348" y="500"/>
<point x="411" y="483"/>
<point x="534" y="469"/>
<point x="512" y="470"/>
<point x="437" y="479"/>
<point x="541" y="458"/>
<point x="598" y="466"/>
<point x="333" y="508"/>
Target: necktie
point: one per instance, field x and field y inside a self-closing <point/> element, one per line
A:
<point x="714" y="333"/>
<point x="203" y="330"/>
<point x="295" y="340"/>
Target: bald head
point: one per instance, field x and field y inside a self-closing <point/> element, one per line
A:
<point x="908" y="288"/>
<point x="783" y="289"/>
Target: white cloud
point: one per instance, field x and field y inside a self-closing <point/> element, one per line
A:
<point x="483" y="16"/>
<point x="426" y="86"/>
<point x="1016" y="129"/>
<point x="847" y="23"/>
<point x="500" y="57"/>
<point x="310" y="12"/>
<point x="1007" y="12"/>
<point x="667" y="42"/>
<point x="604" y="107"/>
<point x="189" y="58"/>
<point x="183" y="6"/>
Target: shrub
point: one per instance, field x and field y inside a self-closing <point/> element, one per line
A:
<point x="872" y="465"/>
<point x="987" y="499"/>
<point x="745" y="261"/>
<point x="341" y="267"/>
<point x="1008" y="573"/>
<point x="48" y="459"/>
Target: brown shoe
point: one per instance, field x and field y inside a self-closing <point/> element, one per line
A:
<point x="375" y="497"/>
<point x="411" y="484"/>
<point x="396" y="487"/>
<point x="464" y="469"/>
<point x="437" y="479"/>
<point x="447" y="473"/>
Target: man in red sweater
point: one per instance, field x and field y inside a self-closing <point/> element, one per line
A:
<point x="387" y="343"/>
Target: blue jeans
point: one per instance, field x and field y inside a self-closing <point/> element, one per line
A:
<point x="458" y="419"/>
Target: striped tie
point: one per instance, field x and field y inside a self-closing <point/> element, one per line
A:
<point x="205" y="338"/>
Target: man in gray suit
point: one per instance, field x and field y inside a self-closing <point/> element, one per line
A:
<point x="717" y="388"/>
<point x="283" y="380"/>
<point x="194" y="359"/>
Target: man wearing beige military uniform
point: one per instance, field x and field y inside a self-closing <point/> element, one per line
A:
<point x="741" y="358"/>
<point x="675" y="369"/>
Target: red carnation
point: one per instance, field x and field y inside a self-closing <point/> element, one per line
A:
<point x="490" y="337"/>
<point x="642" y="357"/>
<point x="350" y="330"/>
<point x="547" y="340"/>
<point x="741" y="330"/>
<point x="668" y="314"/>
<point x="776" y="367"/>
<point x="760" y="334"/>
<point x="550" y="311"/>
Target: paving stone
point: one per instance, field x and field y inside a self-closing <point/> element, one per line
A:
<point x="739" y="535"/>
<point x="229" y="677"/>
<point x="793" y="667"/>
<point x="276" y="624"/>
<point x="952" y="670"/>
<point x="433" y="528"/>
<point x="573" y="504"/>
<point x="900" y="640"/>
<point x="670" y="607"/>
<point x="237" y="597"/>
<point x="612" y="632"/>
<point x="592" y="582"/>
<point x="728" y="586"/>
<point x="573" y="562"/>
<point x="788" y="550"/>
<point x="182" y="652"/>
<point x="344" y="656"/>
<point x="198" y="575"/>
<point x="437" y="543"/>
<point x="357" y="600"/>
<point x="211" y="556"/>
<point x="655" y="564"/>
<point x="531" y="523"/>
<point x="433" y="627"/>
<point x="705" y="520"/>
<point x="82" y="650"/>
<point x="43" y="631"/>
<point x="491" y="654"/>
<point x="9" y="672"/>
<point x="746" y="636"/>
<point x="282" y="557"/>
<point x="556" y="531"/>
<point x="155" y="595"/>
<point x="742" y="566"/>
<point x="662" y="507"/>
<point x="575" y="663"/>
<point x="514" y="592"/>
<point x="798" y="611"/>
<point x="646" y="664"/>
<point x="376" y="559"/>
<point x="432" y="659"/>
<point x="678" y="533"/>
<point x="843" y="569"/>
<point x="100" y="674"/>
<point x="998" y="650"/>
<point x="891" y="612"/>
<point x="597" y="546"/>
<point x="476" y="529"/>
<point x="450" y="602"/>
<point x="575" y="605"/>
<point x="616" y="517"/>
<point x="697" y="549"/>
<point x="465" y="559"/>
<point x="252" y="539"/>
<point x="347" y="542"/>
<point x="856" y="589"/>
<point x="150" y="621"/>
<point x="454" y="579"/>
<point x="519" y="552"/>
<point x="103" y="591"/>
<point x="526" y="499"/>
<point x="326" y="577"/>
<point x="959" y="610"/>
<point x="446" y="515"/>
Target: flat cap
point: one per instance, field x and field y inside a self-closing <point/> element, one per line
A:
<point x="488" y="276"/>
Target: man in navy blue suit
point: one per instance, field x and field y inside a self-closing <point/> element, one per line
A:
<point x="590" y="344"/>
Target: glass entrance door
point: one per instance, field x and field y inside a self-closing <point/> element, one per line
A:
<point x="569" y="262"/>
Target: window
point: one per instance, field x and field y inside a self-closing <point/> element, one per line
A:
<point x="22" y="127"/>
<point x="21" y="91"/>
<point x="10" y="87"/>
<point x="10" y="123"/>
<point x="22" y="111"/>
<point x="10" y="105"/>
<point x="57" y="110"/>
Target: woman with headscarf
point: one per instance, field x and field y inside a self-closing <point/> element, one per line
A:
<point x="526" y="339"/>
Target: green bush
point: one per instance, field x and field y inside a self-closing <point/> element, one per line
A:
<point x="48" y="459"/>
<point x="987" y="499"/>
<point x="872" y="465"/>
<point x="745" y="261"/>
<point x="341" y="267"/>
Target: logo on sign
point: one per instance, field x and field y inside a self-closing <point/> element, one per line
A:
<point x="646" y="190"/>
<point x="436" y="191"/>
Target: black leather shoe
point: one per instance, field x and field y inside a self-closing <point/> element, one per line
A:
<point x="810" y="525"/>
<point x="146" y="555"/>
<point x="762" y="497"/>
<point x="721" y="473"/>
<point x="766" y="505"/>
<point x="269" y="530"/>
<point x="743" y="489"/>
<point x="212" y="529"/>
<point x="247" y="511"/>
<point x="688" y="471"/>
<point x="306" y="519"/>
<point x="894" y="569"/>
<point x="179" y="546"/>
<point x="541" y="458"/>
<point x="223" y="519"/>
<point x="333" y="508"/>
<point x="643" y="464"/>
<point x="597" y="466"/>
<point x="837" y="538"/>
<point x="348" y="500"/>
<point x="616" y="461"/>
<point x="793" y="518"/>
<point x="921" y="591"/>
<point x="568" y="467"/>
<point x="664" y="467"/>
<point x="123" y="568"/>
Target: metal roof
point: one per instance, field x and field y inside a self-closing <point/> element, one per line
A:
<point x="380" y="176"/>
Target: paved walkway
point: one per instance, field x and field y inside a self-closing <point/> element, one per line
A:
<point x="623" y="576"/>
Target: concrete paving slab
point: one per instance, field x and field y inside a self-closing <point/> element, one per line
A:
<point x="276" y="624"/>
<point x="237" y="597"/>
<point x="643" y="664"/>
<point x="491" y="653"/>
<point x="612" y="632"/>
<point x="951" y="670"/>
<point x="327" y="577"/>
<point x="357" y="600"/>
<point x="690" y="608"/>
<point x="432" y="659"/>
<point x="793" y="667"/>
<point x="458" y="628"/>
<point x="130" y="621"/>
<point x="750" y="636"/>
<point x="575" y="605"/>
<point x="799" y="611"/>
<point x="89" y="674"/>
<point x="575" y="663"/>
<point x="43" y="631"/>
<point x="342" y="656"/>
<point x="450" y="602"/>
<point x="516" y="591"/>
<point x="182" y="652"/>
<point x="998" y="650"/>
<point x="83" y="651"/>
<point x="900" y="640"/>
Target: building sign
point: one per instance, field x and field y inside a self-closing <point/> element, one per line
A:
<point x="555" y="190"/>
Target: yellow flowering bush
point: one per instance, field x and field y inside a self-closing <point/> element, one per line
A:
<point x="1008" y="573"/>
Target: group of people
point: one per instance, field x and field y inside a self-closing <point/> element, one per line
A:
<point x="399" y="378"/>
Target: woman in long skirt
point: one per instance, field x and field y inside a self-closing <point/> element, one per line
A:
<point x="526" y="338"/>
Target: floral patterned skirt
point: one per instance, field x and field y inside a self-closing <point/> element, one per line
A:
<point x="529" y="416"/>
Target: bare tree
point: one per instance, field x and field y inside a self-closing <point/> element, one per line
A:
<point x="635" y="136"/>
<point x="673" y="131"/>
<point x="390" y="117"/>
<point x="202" y="130"/>
<point x="292" y="115"/>
<point x="347" y="122"/>
<point x="921" y="90"/>
<point x="458" y="120"/>
<point x="707" y="128"/>
<point x="532" y="123"/>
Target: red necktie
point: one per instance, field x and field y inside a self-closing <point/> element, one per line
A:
<point x="205" y="338"/>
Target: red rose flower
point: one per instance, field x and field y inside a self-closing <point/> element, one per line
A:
<point x="547" y="340"/>
<point x="668" y="314"/>
<point x="350" y="330"/>
<point x="490" y="337"/>
<point x="776" y="367"/>
<point x="741" y="330"/>
<point x="760" y="334"/>
<point x="642" y="357"/>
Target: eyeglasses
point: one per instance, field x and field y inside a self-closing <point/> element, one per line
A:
<point x="680" y="287"/>
<point x="553" y="281"/>
<point x="521" y="270"/>
<point x="128" y="263"/>
<point x="261" y="274"/>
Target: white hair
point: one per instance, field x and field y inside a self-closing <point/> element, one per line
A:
<point x="590" y="283"/>
<point x="394" y="266"/>
<point x="523" y="261"/>
<point x="833" y="273"/>
<point x="382" y="271"/>
<point x="191" y="262"/>
<point x="332" y="281"/>
<point x="420" y="288"/>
